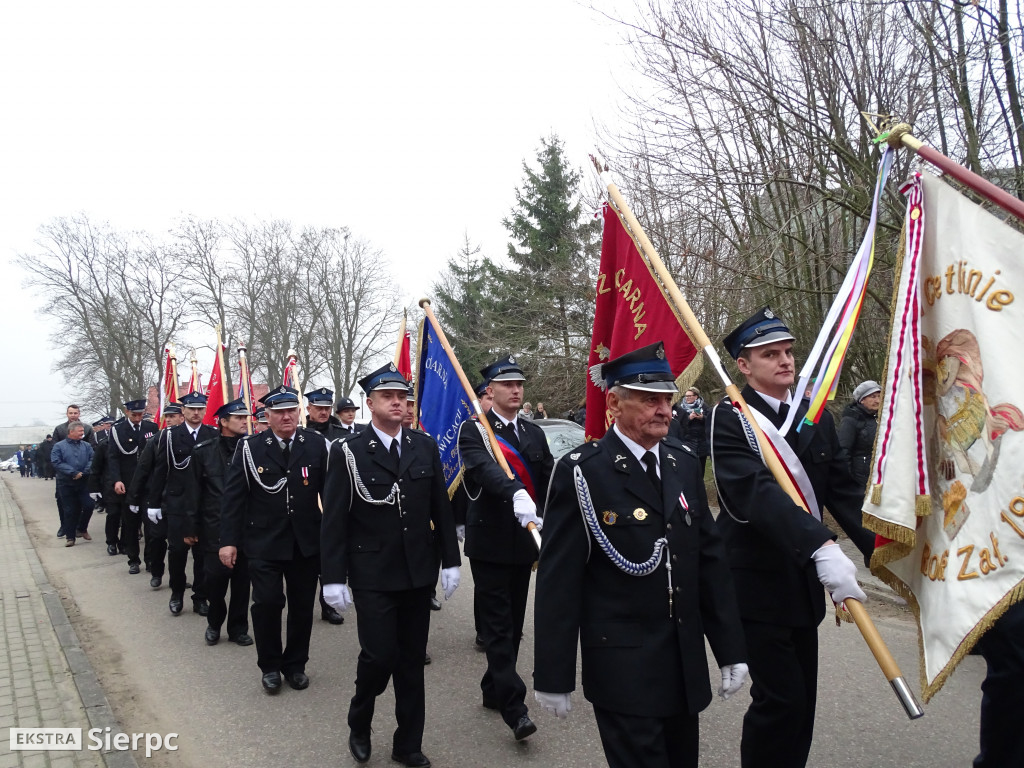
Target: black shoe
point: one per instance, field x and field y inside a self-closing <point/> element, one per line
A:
<point x="212" y="636"/>
<point x="155" y="582"/>
<point x="435" y="604"/>
<point x="297" y="680"/>
<point x="133" y="568"/>
<point x="359" y="746"/>
<point x="272" y="683"/>
<point x="60" y="533"/>
<point x="201" y="607"/>
<point x="176" y="604"/>
<point x="111" y="549"/>
<point x="412" y="760"/>
<point x="242" y="639"/>
<point x="331" y="615"/>
<point x="426" y="658"/>
<point x="523" y="728"/>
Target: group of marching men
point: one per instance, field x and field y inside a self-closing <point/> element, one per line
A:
<point x="633" y="569"/>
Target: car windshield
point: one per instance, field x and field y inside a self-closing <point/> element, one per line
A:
<point x="562" y="436"/>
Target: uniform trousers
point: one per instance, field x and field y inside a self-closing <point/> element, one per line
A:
<point x="155" y="544"/>
<point x="77" y="505"/>
<point x="630" y="741"/>
<point x="779" y="724"/>
<point x="275" y="582"/>
<point x="177" y="559"/>
<point x="1002" y="692"/>
<point x="129" y="527"/>
<point x="112" y="525"/>
<point x="218" y="579"/>
<point x="499" y="600"/>
<point x="393" y="629"/>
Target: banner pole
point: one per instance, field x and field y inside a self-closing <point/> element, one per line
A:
<point x="477" y="409"/>
<point x="401" y="337"/>
<point x="874" y="640"/>
<point x="225" y="393"/>
<point x="243" y="365"/>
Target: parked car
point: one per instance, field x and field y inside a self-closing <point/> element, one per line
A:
<point x="563" y="435"/>
<point x="10" y="465"/>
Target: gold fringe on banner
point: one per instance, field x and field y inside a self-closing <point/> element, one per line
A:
<point x="923" y="506"/>
<point x="876" y="494"/>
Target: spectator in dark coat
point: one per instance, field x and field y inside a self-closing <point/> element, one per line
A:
<point x="689" y="413"/>
<point x="858" y="428"/>
<point x="43" y="458"/>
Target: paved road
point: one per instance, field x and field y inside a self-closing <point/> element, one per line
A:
<point x="161" y="677"/>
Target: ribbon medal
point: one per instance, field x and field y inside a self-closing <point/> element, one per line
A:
<point x="686" y="506"/>
<point x="305" y="475"/>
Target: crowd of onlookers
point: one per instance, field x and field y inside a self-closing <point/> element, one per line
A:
<point x="34" y="460"/>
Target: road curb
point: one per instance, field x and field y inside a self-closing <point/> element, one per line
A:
<point x="94" y="700"/>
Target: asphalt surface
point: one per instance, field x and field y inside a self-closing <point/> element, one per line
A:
<point x="161" y="677"/>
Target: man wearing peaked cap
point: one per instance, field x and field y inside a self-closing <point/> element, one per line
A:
<point x="127" y="440"/>
<point x="318" y="408"/>
<point x="202" y="502"/>
<point x="604" y="581"/>
<point x="165" y="496"/>
<point x="500" y="549"/>
<point x="387" y="523"/>
<point x="259" y="420"/>
<point x="345" y="410"/>
<point x="779" y="554"/>
<point x="270" y="513"/>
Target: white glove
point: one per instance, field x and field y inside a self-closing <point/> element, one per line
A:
<point x="525" y="509"/>
<point x="733" y="676"/>
<point x="837" y="573"/>
<point x="558" y="704"/>
<point x="95" y="496"/>
<point x="338" y="596"/>
<point x="460" y="533"/>
<point x="449" y="580"/>
<point x="133" y="509"/>
<point x="155" y="515"/>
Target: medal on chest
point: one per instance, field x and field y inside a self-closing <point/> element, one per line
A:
<point x="305" y="475"/>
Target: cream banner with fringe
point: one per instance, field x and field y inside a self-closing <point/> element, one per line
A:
<point x="947" y="487"/>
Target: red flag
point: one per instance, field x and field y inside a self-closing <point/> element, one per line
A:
<point x="169" y="391"/>
<point x="217" y="391"/>
<point x="632" y="312"/>
<point x="291" y="373"/>
<point x="403" y="361"/>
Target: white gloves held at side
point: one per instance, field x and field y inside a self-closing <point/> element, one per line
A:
<point x="558" y="704"/>
<point x="460" y="533"/>
<point x="733" y="676"/>
<point x="837" y="573"/>
<point x="134" y="508"/>
<point x="338" y="596"/>
<point x="155" y="515"/>
<point x="525" y="509"/>
<point x="95" y="496"/>
<point x="450" y="580"/>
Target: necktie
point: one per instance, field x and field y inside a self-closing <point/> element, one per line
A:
<point x="651" y="462"/>
<point x="195" y="436"/>
<point x="393" y="450"/>
<point x="783" y="411"/>
<point x="513" y="434"/>
<point x="286" y="449"/>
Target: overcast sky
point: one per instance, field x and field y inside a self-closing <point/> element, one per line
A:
<point x="407" y="122"/>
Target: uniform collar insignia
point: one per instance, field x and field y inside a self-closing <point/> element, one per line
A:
<point x="372" y="442"/>
<point x="270" y="441"/>
<point x="619" y="457"/>
<point x="302" y="438"/>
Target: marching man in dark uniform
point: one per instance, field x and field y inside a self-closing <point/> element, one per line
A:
<point x="127" y="440"/>
<point x="271" y="512"/>
<point x="500" y="549"/>
<point x="386" y="516"/>
<point x="202" y="499"/>
<point x="345" y="410"/>
<point x="633" y="568"/>
<point x="259" y="420"/>
<point x="779" y="554"/>
<point x="166" y="494"/>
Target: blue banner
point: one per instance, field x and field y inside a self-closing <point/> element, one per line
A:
<point x="442" y="402"/>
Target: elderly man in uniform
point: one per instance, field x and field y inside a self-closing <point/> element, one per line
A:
<point x="345" y="410"/>
<point x="201" y="501"/>
<point x="633" y="569"/>
<point x="166" y="499"/>
<point x="271" y="513"/>
<point x="128" y="438"/>
<point x="781" y="555"/>
<point x="500" y="549"/>
<point x="386" y="516"/>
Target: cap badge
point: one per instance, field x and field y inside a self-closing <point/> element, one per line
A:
<point x="392" y="368"/>
<point x="660" y="353"/>
<point x="640" y="514"/>
<point x="511" y="359"/>
<point x="769" y="314"/>
<point x="323" y="390"/>
<point x="281" y="390"/>
<point x="609" y="517"/>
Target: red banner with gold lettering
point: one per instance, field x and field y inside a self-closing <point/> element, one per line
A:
<point x="632" y="311"/>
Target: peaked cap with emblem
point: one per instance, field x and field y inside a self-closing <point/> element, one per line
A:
<point x="506" y="369"/>
<point x="135" y="406"/>
<point x="385" y="377"/>
<point x="194" y="400"/>
<point x="171" y="408"/>
<point x="762" y="327"/>
<point x="281" y="398"/>
<point x="234" y="408"/>
<point x="101" y="420"/>
<point x="411" y="394"/>
<point x="260" y="414"/>
<point x="481" y="389"/>
<point x="645" y="369"/>
<point x="344" y="404"/>
<point x="322" y="396"/>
